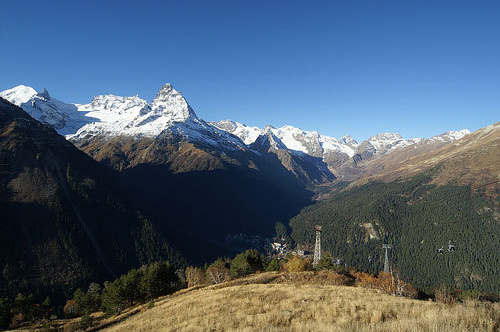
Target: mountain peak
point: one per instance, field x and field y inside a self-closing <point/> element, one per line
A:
<point x="451" y="135"/>
<point x="268" y="141"/>
<point x="165" y="91"/>
<point x="386" y="136"/>
<point x="19" y="94"/>
<point x="268" y="128"/>
<point x="170" y="103"/>
<point x="44" y="94"/>
<point x="349" y="141"/>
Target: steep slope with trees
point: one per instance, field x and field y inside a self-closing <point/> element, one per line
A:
<point x="65" y="219"/>
<point x="417" y="218"/>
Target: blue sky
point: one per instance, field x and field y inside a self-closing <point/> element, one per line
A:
<point x="339" y="67"/>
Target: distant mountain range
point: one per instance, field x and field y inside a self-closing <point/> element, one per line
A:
<point x="169" y="114"/>
<point x="344" y="156"/>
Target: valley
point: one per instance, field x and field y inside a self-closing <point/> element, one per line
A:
<point x="120" y="183"/>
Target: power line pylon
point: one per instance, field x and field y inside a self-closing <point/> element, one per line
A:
<point x="386" y="261"/>
<point x="317" y="247"/>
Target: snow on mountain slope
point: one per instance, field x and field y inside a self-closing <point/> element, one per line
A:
<point x="268" y="141"/>
<point x="333" y="151"/>
<point x="63" y="117"/>
<point x="110" y="115"/>
<point x="308" y="142"/>
<point x="386" y="142"/>
<point x="18" y="95"/>
<point x="450" y="136"/>
<point x="246" y="133"/>
<point x="170" y="114"/>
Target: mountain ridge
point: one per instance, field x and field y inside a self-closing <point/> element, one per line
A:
<point x="111" y="115"/>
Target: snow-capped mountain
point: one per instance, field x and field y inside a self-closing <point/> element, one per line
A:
<point x="450" y="136"/>
<point x="268" y="141"/>
<point x="124" y="132"/>
<point x="247" y="134"/>
<point x="63" y="117"/>
<point x="333" y="151"/>
<point x="296" y="139"/>
<point x="169" y="115"/>
<point x="110" y="115"/>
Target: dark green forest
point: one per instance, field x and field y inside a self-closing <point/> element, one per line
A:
<point x="65" y="220"/>
<point x="417" y="219"/>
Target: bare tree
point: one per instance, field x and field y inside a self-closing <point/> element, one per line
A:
<point x="194" y="276"/>
<point x="217" y="272"/>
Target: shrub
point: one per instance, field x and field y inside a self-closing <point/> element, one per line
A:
<point x="298" y="264"/>
<point x="86" y="320"/>
<point x="94" y="297"/>
<point x="246" y="263"/>
<point x="132" y="287"/>
<point x="468" y="295"/>
<point x="365" y="280"/>
<point x="25" y="305"/>
<point x="70" y="309"/>
<point x="274" y="265"/>
<point x="443" y="294"/>
<point x="391" y="284"/>
<point x="337" y="279"/>
<point x="113" y="299"/>
<point x="159" y="279"/>
<point x="80" y="302"/>
<point x="325" y="263"/>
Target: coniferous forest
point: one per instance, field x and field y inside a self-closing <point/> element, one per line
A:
<point x="417" y="219"/>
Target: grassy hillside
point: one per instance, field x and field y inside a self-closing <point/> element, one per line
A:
<point x="472" y="160"/>
<point x="302" y="302"/>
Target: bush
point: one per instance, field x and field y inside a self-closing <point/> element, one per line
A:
<point x="159" y="279"/>
<point x="94" y="297"/>
<point x="132" y="287"/>
<point x="325" y="263"/>
<point x="469" y="295"/>
<point x="81" y="304"/>
<point x="298" y="264"/>
<point x="365" y="280"/>
<point x="444" y="295"/>
<point x="70" y="309"/>
<point x="391" y="284"/>
<point x="340" y="279"/>
<point x="25" y="306"/>
<point x="86" y="320"/>
<point x="274" y="265"/>
<point x="246" y="263"/>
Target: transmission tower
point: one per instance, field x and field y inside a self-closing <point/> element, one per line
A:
<point x="386" y="262"/>
<point x="317" y="247"/>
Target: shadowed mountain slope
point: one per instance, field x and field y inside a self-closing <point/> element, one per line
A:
<point x="65" y="219"/>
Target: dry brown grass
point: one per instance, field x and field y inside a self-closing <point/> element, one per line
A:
<point x="305" y="302"/>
